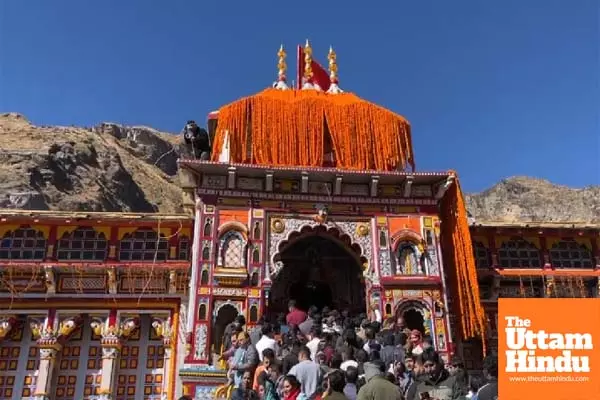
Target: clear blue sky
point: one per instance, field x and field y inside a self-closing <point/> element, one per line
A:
<point x="492" y="88"/>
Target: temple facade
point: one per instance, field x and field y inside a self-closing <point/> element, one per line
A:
<point x="310" y="194"/>
<point x="92" y="304"/>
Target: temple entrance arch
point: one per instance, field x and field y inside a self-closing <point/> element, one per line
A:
<point x="416" y="315"/>
<point x="321" y="267"/>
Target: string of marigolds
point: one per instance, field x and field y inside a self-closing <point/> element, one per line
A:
<point x="286" y="127"/>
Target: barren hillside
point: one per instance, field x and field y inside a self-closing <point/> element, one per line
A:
<point x="115" y="168"/>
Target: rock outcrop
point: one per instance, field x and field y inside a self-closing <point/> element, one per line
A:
<point x="105" y="168"/>
<point x="524" y="199"/>
<point x="111" y="167"/>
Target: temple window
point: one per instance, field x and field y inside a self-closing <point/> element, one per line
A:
<point x="232" y="250"/>
<point x="518" y="253"/>
<point x="143" y="245"/>
<point x="23" y="244"/>
<point x="483" y="256"/>
<point x="82" y="244"/>
<point x="570" y="254"/>
<point x="207" y="227"/>
<point x="408" y="259"/>
<point x="184" y="248"/>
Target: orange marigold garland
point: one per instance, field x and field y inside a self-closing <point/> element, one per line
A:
<point x="289" y="127"/>
<point x="458" y="254"/>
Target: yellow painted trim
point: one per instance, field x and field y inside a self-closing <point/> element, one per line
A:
<point x="500" y="240"/>
<point x="172" y="252"/>
<point x="4" y="229"/>
<point x="90" y="304"/>
<point x="185" y="232"/>
<point x="103" y="229"/>
<point x="64" y="229"/>
<point x="483" y="239"/>
<point x="125" y="231"/>
<point x="166" y="232"/>
<point x="45" y="229"/>
<point x="579" y="240"/>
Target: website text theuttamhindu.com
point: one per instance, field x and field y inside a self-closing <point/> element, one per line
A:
<point x="549" y="379"/>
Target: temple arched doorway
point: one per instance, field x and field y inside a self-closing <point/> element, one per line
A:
<point x="320" y="269"/>
<point x="224" y="314"/>
<point x="414" y="320"/>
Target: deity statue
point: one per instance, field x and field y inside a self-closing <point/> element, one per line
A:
<point x="197" y="140"/>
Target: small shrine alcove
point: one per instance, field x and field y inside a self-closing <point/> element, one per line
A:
<point x="320" y="269"/>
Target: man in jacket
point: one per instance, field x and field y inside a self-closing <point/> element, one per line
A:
<point x="436" y="380"/>
<point x="377" y="386"/>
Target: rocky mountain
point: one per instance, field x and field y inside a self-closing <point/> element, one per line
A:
<point x="111" y="167"/>
<point x="525" y="199"/>
<point x="105" y="168"/>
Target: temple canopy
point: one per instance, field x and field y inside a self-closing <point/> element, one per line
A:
<point x="309" y="127"/>
<point x="312" y="128"/>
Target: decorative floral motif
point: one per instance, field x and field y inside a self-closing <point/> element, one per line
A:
<point x="277" y="225"/>
<point x="362" y="230"/>
<point x="385" y="265"/>
<point x="201" y="333"/>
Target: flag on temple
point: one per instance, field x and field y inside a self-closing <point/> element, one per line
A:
<point x="320" y="74"/>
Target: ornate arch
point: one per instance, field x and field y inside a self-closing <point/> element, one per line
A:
<point x="354" y="236"/>
<point x="233" y="226"/>
<point x="223" y="303"/>
<point x="406" y="235"/>
<point x="418" y="305"/>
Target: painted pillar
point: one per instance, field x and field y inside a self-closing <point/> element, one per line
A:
<point x="197" y="243"/>
<point x="111" y="349"/>
<point x="167" y="328"/>
<point x="49" y="347"/>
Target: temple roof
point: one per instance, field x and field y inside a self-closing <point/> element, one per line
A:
<point x="312" y="127"/>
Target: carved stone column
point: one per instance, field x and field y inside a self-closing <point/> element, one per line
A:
<point x="113" y="333"/>
<point x="49" y="348"/>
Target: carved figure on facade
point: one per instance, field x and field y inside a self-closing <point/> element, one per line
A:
<point x="129" y="326"/>
<point x="49" y="280"/>
<point x="162" y="328"/>
<point x="112" y="280"/>
<point x="7" y="322"/>
<point x="68" y="325"/>
<point x="172" y="281"/>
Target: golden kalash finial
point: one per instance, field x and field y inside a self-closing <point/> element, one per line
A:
<point x="282" y="66"/>
<point x="333" y="72"/>
<point x="308" y="73"/>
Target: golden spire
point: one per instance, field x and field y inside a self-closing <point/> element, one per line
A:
<point x="333" y="73"/>
<point x="308" y="74"/>
<point x="281" y="65"/>
<point x="333" y="68"/>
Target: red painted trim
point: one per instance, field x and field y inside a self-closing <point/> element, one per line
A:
<point x="409" y="280"/>
<point x="59" y="264"/>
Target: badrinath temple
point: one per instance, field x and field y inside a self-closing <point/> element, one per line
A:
<point x="308" y="193"/>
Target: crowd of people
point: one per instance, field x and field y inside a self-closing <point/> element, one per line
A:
<point x="329" y="354"/>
